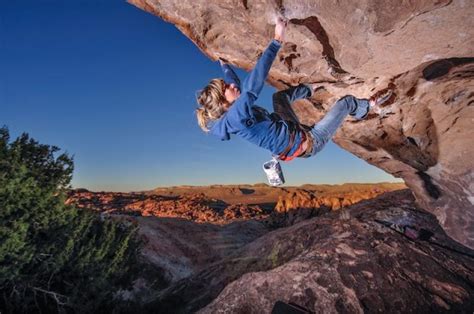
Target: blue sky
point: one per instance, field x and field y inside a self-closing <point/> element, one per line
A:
<point x="115" y="87"/>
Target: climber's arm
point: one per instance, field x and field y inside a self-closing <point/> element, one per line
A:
<point x="254" y="82"/>
<point x="229" y="75"/>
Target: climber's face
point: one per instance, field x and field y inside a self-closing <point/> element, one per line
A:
<point x="231" y="93"/>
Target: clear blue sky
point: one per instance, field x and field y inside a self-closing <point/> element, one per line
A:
<point x="115" y="87"/>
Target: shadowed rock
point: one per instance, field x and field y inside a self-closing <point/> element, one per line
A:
<point x="333" y="263"/>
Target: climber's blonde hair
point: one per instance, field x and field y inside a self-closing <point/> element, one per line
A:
<point x="212" y="103"/>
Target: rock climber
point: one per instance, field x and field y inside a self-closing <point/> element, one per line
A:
<point x="226" y="106"/>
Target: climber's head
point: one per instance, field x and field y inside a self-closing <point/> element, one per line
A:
<point x="214" y="100"/>
<point x="231" y="92"/>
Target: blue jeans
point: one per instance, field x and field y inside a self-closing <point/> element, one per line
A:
<point x="324" y="130"/>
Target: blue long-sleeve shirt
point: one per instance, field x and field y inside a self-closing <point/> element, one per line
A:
<point x="252" y="122"/>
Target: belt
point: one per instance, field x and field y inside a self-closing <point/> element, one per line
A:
<point x="305" y="138"/>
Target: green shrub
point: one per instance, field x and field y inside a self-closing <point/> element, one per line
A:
<point x="54" y="257"/>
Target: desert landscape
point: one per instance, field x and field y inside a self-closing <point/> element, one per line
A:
<point x="242" y="248"/>
<point x="116" y="84"/>
<point x="222" y="204"/>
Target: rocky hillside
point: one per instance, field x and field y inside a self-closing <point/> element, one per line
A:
<point x="316" y="250"/>
<point x="341" y="261"/>
<point x="423" y="49"/>
<point x="341" y="264"/>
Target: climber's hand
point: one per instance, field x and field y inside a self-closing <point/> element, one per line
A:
<point x="280" y="27"/>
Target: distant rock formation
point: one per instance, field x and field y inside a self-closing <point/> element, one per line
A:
<point x="303" y="204"/>
<point x="198" y="207"/>
<point x="236" y="202"/>
<point x="423" y="49"/>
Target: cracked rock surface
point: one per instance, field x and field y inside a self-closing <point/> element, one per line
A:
<point x="423" y="49"/>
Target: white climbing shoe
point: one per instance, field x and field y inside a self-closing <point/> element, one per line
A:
<point x="379" y="98"/>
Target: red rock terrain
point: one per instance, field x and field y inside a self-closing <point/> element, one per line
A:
<point x="348" y="264"/>
<point x="423" y="49"/>
<point x="340" y="261"/>
<point x="224" y="204"/>
<point x="321" y="258"/>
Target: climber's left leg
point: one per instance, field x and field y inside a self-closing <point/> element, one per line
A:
<point x="324" y="130"/>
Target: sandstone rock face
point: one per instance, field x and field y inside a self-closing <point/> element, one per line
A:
<point x="423" y="49"/>
<point x="329" y="264"/>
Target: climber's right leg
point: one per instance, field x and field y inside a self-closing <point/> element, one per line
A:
<point x="324" y="130"/>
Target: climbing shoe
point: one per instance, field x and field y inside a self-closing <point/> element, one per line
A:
<point x="378" y="99"/>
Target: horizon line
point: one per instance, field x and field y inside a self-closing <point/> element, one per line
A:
<point x="235" y="185"/>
